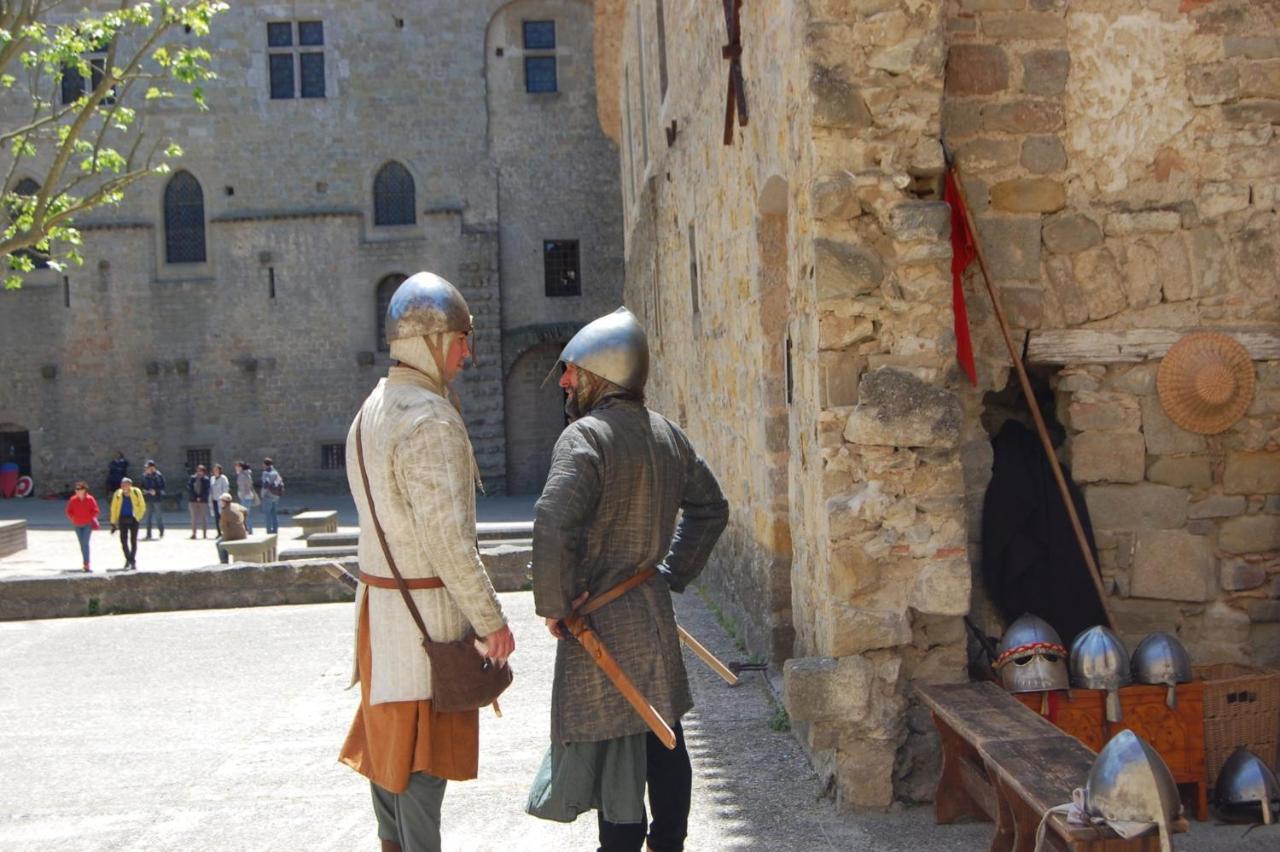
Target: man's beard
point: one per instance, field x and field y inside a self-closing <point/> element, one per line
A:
<point x="571" y="408"/>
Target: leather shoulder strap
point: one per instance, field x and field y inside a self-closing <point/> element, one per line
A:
<point x="382" y="538"/>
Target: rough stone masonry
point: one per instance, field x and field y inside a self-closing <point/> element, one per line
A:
<point x="1121" y="160"/>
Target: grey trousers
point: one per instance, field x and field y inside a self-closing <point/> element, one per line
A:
<point x="411" y="818"/>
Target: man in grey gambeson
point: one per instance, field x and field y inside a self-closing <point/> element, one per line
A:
<point x="620" y="475"/>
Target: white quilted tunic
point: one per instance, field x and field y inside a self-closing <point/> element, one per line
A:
<point x="420" y="466"/>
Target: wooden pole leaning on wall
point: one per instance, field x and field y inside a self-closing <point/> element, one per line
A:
<point x="1023" y="379"/>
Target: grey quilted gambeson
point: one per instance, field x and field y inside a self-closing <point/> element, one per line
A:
<point x="619" y="477"/>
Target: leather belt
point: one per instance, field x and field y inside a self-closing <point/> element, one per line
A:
<point x="390" y="582"/>
<point x="615" y="592"/>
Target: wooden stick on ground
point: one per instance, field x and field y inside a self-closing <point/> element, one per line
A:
<point x="707" y="657"/>
<point x="1025" y="381"/>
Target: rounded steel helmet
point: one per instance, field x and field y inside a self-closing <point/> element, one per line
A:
<point x="1160" y="658"/>
<point x="613" y="347"/>
<point x="424" y="304"/>
<point x="1099" y="660"/>
<point x="1130" y="783"/>
<point x="1031" y="657"/>
<point x="1244" y="783"/>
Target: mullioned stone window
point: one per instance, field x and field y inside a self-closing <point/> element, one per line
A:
<point x="73" y="83"/>
<point x="184" y="220"/>
<point x="539" y="56"/>
<point x="295" y="59"/>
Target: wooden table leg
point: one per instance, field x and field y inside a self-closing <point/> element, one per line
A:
<point x="1006" y="831"/>
<point x="1022" y="820"/>
<point x="952" y="799"/>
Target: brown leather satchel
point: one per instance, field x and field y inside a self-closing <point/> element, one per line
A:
<point x="461" y="677"/>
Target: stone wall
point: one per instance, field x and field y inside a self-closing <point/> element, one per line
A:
<point x="1123" y="163"/>
<point x="154" y="358"/>
<point x="1120" y="160"/>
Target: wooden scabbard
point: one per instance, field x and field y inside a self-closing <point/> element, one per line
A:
<point x="707" y="657"/>
<point x="577" y="625"/>
<point x="342" y="575"/>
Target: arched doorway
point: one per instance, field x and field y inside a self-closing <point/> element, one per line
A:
<point x="775" y="304"/>
<point x="534" y="417"/>
<point x="15" y="446"/>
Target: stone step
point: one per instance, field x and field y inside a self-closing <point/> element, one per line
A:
<point x="293" y="554"/>
<point x="333" y="539"/>
<point x="487" y="530"/>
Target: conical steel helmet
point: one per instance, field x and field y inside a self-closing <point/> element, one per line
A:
<point x="424" y="304"/>
<point x="1245" y="782"/>
<point x="1099" y="660"/>
<point x="1130" y="783"/>
<point x="613" y="347"/>
<point x="1160" y="658"/>
<point x="1031" y="657"/>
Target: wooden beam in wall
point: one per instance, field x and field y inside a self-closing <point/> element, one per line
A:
<point x="1093" y="346"/>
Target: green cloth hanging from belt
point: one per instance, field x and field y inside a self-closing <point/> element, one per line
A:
<point x="606" y="775"/>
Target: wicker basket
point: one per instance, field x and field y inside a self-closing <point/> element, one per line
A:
<point x="1241" y="708"/>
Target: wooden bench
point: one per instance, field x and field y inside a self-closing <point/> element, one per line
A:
<point x="1003" y="762"/>
<point x="316" y="522"/>
<point x="255" y="548"/>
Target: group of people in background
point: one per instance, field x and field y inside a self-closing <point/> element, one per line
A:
<point x="208" y="494"/>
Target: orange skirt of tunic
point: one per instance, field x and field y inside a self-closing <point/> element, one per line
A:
<point x="389" y="741"/>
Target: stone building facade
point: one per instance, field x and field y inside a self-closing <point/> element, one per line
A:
<point x="474" y="123"/>
<point x="1121" y="161"/>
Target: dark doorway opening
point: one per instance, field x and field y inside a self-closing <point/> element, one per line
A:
<point x="15" y="447"/>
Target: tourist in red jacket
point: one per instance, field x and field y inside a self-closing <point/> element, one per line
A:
<point x="82" y="511"/>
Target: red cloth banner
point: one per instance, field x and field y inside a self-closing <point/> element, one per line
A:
<point x="963" y="252"/>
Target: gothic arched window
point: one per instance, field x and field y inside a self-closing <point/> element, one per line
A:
<point x="393" y="202"/>
<point x="386" y="288"/>
<point x="183" y="220"/>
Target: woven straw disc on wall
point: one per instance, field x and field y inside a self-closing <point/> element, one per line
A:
<point x="1205" y="382"/>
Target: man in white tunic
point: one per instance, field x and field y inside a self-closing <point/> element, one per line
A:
<point x="422" y="476"/>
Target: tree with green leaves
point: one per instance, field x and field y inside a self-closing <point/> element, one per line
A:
<point x="75" y="78"/>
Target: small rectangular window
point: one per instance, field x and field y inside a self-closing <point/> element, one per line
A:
<point x="539" y="74"/>
<point x="561" y="268"/>
<point x="333" y="456"/>
<point x="280" y="34"/>
<point x="281" y="75"/>
<point x="539" y="35"/>
<point x="310" y="32"/>
<point x="199" y="456"/>
<point x="312" y="75"/>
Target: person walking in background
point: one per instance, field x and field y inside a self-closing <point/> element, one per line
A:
<point x="218" y="486"/>
<point x="231" y="524"/>
<point x="153" y="488"/>
<point x="198" y="501"/>
<point x="245" y="493"/>
<point x="272" y="491"/>
<point x="82" y="511"/>
<point x="128" y="507"/>
<point x="117" y="470"/>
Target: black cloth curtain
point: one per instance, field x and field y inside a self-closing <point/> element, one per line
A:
<point x="1030" y="559"/>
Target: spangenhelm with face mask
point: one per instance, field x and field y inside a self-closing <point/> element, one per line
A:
<point x="1247" y="790"/>
<point x="1161" y="659"/>
<point x="1130" y="788"/>
<point x="1031" y="657"/>
<point x="1099" y="660"/>
<point x="614" y="347"/>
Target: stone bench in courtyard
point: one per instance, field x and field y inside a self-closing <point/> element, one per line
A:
<point x="256" y="548"/>
<point x="317" y="522"/>
<point x="13" y="537"/>
<point x="333" y="539"/>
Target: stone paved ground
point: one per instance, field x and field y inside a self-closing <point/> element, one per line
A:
<point x="52" y="548"/>
<point x="218" y="730"/>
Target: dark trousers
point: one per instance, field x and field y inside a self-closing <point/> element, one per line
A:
<point x="129" y="538"/>
<point x="669" y="778"/>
